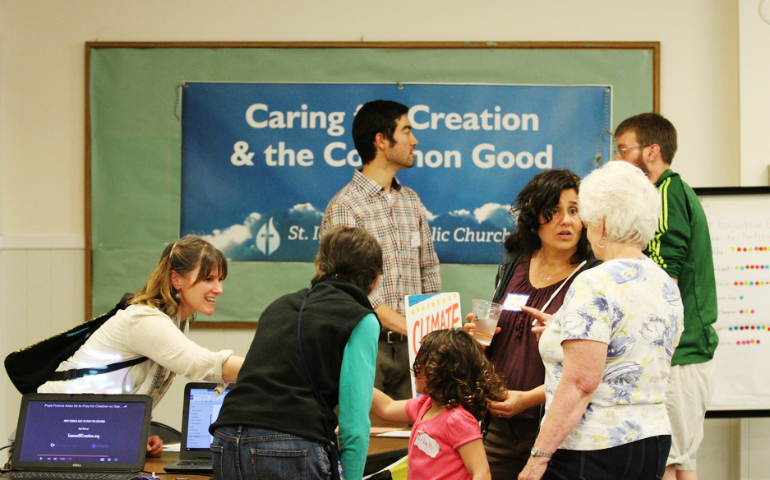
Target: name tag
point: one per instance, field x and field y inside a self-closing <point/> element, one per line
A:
<point x="415" y="240"/>
<point x="424" y="442"/>
<point x="514" y="301"/>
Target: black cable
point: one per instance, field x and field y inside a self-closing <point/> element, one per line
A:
<point x="7" y="465"/>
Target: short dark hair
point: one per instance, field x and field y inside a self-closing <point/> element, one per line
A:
<point x="651" y="128"/>
<point x="378" y="116"/>
<point x="457" y="372"/>
<point x="351" y="254"/>
<point x="537" y="198"/>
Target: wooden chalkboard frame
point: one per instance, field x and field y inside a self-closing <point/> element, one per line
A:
<point x="91" y="47"/>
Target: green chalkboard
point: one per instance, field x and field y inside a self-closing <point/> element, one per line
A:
<point x="133" y="137"/>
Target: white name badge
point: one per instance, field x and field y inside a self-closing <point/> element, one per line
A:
<point x="415" y="239"/>
<point x="424" y="442"/>
<point x="514" y="301"/>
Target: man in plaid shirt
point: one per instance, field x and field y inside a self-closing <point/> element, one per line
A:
<point x="394" y="214"/>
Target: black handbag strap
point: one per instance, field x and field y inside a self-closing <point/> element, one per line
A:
<point x="321" y="403"/>
<point x="86" y="372"/>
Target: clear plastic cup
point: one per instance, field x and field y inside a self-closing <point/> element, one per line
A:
<point x="487" y="314"/>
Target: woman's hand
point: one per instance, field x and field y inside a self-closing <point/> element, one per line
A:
<point x="470" y="325"/>
<point x="154" y="446"/>
<point x="517" y="402"/>
<point x="534" y="469"/>
<point x="541" y="319"/>
<point x="513" y="404"/>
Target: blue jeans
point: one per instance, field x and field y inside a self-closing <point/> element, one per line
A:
<point x="640" y="460"/>
<point x="245" y="453"/>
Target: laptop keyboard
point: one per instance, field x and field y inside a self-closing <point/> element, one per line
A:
<point x="68" y="476"/>
<point x="194" y="463"/>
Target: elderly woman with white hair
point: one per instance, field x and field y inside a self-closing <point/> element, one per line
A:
<point x="607" y="351"/>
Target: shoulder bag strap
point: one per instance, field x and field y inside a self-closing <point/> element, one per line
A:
<point x="87" y="372"/>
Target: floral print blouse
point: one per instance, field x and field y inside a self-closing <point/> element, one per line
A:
<point x="634" y="307"/>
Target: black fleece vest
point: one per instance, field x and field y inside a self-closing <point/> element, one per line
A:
<point x="272" y="390"/>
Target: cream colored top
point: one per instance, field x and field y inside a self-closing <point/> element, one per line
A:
<point x="140" y="331"/>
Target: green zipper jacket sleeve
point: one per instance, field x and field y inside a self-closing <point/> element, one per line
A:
<point x="670" y="245"/>
<point x="682" y="247"/>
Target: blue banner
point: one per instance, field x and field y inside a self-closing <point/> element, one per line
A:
<point x="260" y="161"/>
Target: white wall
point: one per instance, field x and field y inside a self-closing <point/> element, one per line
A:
<point x="42" y="69"/>
<point x="754" y="92"/>
<point x="42" y="122"/>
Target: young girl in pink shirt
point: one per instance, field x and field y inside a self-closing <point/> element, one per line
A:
<point x="455" y="380"/>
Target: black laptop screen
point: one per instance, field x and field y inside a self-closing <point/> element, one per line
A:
<point x="68" y="432"/>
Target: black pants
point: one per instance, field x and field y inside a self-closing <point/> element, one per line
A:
<point x="641" y="460"/>
<point x="508" y="444"/>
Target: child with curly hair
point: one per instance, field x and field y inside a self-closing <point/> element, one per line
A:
<point x="456" y="380"/>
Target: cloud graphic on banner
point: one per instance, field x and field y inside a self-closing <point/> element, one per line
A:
<point x="488" y="225"/>
<point x="460" y="213"/>
<point x="234" y="236"/>
<point x="495" y="214"/>
<point x="292" y="231"/>
<point x="303" y="208"/>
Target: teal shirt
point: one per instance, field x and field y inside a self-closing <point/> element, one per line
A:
<point x="682" y="247"/>
<point x="355" y="398"/>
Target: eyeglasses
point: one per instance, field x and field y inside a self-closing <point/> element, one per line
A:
<point x="622" y="151"/>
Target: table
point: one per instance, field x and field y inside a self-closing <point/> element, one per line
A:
<point x="382" y="452"/>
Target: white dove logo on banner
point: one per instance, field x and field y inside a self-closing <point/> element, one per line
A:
<point x="268" y="239"/>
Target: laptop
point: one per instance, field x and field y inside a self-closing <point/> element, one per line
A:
<point x="201" y="409"/>
<point x="81" y="436"/>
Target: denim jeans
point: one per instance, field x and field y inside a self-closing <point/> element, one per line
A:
<point x="245" y="453"/>
<point x="640" y="460"/>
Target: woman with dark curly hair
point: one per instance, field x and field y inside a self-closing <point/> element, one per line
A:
<point x="455" y="379"/>
<point x="543" y="255"/>
<point x="607" y="351"/>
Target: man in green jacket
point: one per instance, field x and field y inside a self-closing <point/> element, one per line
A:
<point x="682" y="247"/>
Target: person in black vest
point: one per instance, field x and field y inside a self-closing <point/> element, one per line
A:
<point x="271" y="424"/>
